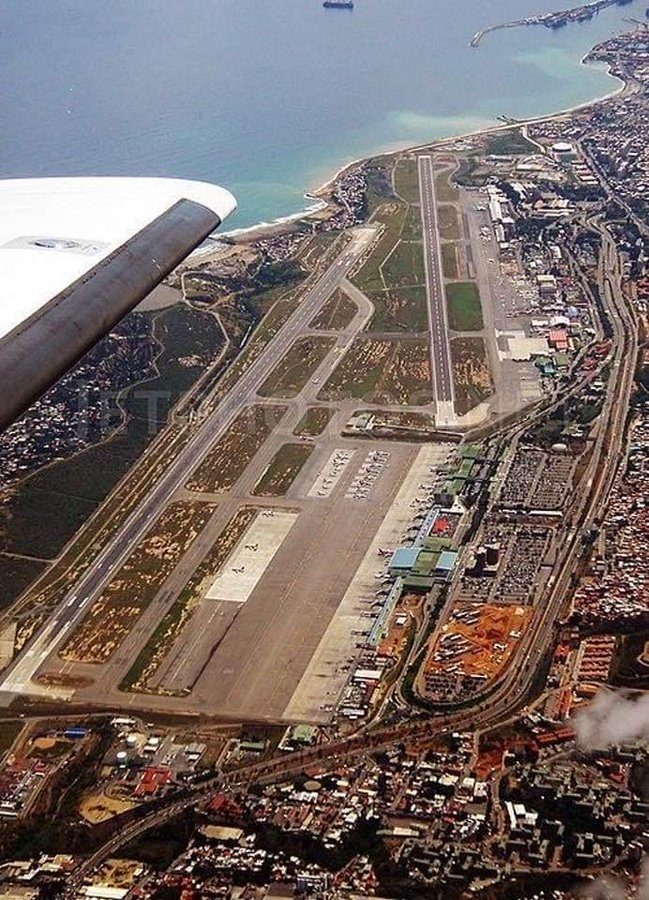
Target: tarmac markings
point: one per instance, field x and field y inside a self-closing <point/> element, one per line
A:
<point x="251" y="557"/>
<point x="371" y="468"/>
<point x="331" y="473"/>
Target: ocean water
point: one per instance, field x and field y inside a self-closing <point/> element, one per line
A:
<point x="270" y="97"/>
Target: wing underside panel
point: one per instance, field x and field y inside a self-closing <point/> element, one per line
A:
<point x="38" y="351"/>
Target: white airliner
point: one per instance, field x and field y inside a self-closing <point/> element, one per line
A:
<point x="78" y="254"/>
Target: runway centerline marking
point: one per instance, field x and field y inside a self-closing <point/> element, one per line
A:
<point x="440" y="352"/>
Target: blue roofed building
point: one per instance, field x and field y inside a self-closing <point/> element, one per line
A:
<point x="403" y="560"/>
<point x="446" y="563"/>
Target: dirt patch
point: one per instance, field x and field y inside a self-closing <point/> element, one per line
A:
<point x="50" y="749"/>
<point x="131" y="590"/>
<point x="479" y="648"/>
<point x="383" y="371"/>
<point x="97" y="808"/>
<point x="59" y="679"/>
<point x="234" y="451"/>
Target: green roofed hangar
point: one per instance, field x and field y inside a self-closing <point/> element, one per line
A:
<point x="421" y="567"/>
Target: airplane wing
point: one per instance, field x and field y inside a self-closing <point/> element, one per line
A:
<point x="76" y="255"/>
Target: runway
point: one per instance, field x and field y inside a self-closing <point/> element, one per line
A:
<point x="17" y="678"/>
<point x="440" y="350"/>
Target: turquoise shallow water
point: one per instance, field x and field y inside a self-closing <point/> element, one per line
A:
<point x="270" y="97"/>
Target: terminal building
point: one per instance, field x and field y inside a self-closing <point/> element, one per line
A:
<point x="421" y="567"/>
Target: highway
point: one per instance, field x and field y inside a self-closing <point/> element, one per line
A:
<point x="440" y="350"/>
<point x="17" y="677"/>
<point x="589" y="502"/>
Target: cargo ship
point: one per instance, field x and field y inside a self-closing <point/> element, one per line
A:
<point x="338" y="4"/>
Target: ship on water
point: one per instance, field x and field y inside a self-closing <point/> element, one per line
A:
<point x="338" y="4"/>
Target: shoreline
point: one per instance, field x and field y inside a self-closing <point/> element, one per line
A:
<point x="317" y="206"/>
<point x="562" y="17"/>
<point x="318" y="193"/>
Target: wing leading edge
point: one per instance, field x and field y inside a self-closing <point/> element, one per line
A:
<point x="76" y="255"/>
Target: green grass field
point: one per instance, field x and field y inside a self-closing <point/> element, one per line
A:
<point x="411" y="230"/>
<point x="509" y="143"/>
<point x="283" y="470"/>
<point x="16" y="575"/>
<point x="448" y="222"/>
<point x="406" y="179"/>
<point x="450" y="265"/>
<point x="444" y="191"/>
<point x="403" y="310"/>
<point x="463" y="304"/>
<point x="314" y="421"/>
<point x="405" y="266"/>
<point x="378" y="174"/>
<point x="392" y="215"/>
<point x="9" y="731"/>
<point x="471" y="373"/>
<point x="52" y="504"/>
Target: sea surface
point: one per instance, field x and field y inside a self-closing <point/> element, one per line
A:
<point x="271" y="97"/>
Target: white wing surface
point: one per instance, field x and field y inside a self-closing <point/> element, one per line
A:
<point x="76" y="255"/>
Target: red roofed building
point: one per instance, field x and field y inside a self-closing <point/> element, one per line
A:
<point x="558" y="339"/>
<point x="226" y="806"/>
<point x="555" y="737"/>
<point x="152" y="778"/>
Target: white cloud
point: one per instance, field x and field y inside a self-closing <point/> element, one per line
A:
<point x="643" y="886"/>
<point x="614" y="717"/>
<point x="605" y="888"/>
